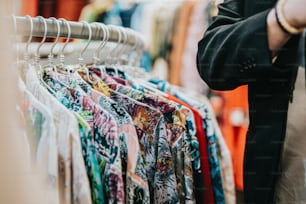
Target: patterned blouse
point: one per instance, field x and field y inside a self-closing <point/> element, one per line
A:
<point x="152" y="135"/>
<point x="175" y="116"/>
<point x="134" y="175"/>
<point x="73" y="181"/>
<point x="105" y="136"/>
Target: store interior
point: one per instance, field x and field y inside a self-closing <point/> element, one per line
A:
<point x="106" y="105"/>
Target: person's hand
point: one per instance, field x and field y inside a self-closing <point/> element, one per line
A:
<point x="295" y="13"/>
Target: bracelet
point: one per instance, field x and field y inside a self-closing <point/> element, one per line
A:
<point x="281" y="20"/>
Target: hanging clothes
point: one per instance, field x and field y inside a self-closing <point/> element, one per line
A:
<point x="41" y="137"/>
<point x="234" y="126"/>
<point x="189" y="72"/>
<point x="224" y="155"/>
<point x="150" y="125"/>
<point x="135" y="179"/>
<point x="118" y="139"/>
<point x="175" y="125"/>
<point x="178" y="41"/>
<point x="103" y="131"/>
<point x="73" y="181"/>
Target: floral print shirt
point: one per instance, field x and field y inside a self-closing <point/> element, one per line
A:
<point x="178" y="138"/>
<point x="73" y="184"/>
<point x="222" y="179"/>
<point x="134" y="175"/>
<point x="105" y="136"/>
<point x="152" y="134"/>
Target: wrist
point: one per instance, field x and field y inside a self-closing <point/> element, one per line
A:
<point x="277" y="37"/>
<point x="291" y="16"/>
<point x="283" y="21"/>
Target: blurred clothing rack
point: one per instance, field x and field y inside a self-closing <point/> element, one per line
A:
<point x="78" y="31"/>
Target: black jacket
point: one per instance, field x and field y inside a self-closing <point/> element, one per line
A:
<point x="234" y="51"/>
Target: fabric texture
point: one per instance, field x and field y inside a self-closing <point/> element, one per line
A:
<point x="105" y="139"/>
<point x="73" y="180"/>
<point x="134" y="175"/>
<point x="41" y="137"/>
<point x="151" y="131"/>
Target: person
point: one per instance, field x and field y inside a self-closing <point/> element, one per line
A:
<point x="261" y="44"/>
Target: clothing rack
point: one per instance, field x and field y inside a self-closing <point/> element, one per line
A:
<point x="79" y="30"/>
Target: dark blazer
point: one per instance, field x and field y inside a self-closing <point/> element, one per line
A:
<point x="233" y="52"/>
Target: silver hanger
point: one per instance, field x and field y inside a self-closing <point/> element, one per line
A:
<point x="121" y="52"/>
<point x="26" y="55"/>
<point x="51" y="54"/>
<point x="81" y="58"/>
<point x="62" y="55"/>
<point x="37" y="54"/>
<point x="96" y="58"/>
<point x="111" y="55"/>
<point x="16" y="47"/>
<point x="114" y="51"/>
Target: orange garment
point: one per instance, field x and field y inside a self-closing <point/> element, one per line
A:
<point x="29" y="7"/>
<point x="68" y="9"/>
<point x="179" y="40"/>
<point x="208" y="194"/>
<point x="235" y="101"/>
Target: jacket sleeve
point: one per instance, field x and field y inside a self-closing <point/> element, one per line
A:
<point x="234" y="50"/>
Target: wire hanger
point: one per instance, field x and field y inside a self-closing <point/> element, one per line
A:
<point x="96" y="57"/>
<point x="62" y="55"/>
<point x="81" y="58"/>
<point x="16" y="47"/>
<point x="26" y="55"/>
<point x="113" y="51"/>
<point x="37" y="55"/>
<point x="51" y="54"/>
<point x="63" y="67"/>
<point x="121" y="52"/>
<point x="111" y="54"/>
<point x="132" y="60"/>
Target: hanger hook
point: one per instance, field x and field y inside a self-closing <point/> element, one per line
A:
<point x="134" y="47"/>
<point x="133" y="33"/>
<point x="14" y="23"/>
<point x="26" y="53"/>
<point x="139" y="48"/>
<point x="37" y="56"/>
<point x="81" y="59"/>
<point x="15" y="36"/>
<point x="62" y="55"/>
<point x="106" y="40"/>
<point x="51" y="55"/>
<point x="105" y="36"/>
<point x="115" y="28"/>
<point x="119" y="45"/>
<point x="124" y="45"/>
